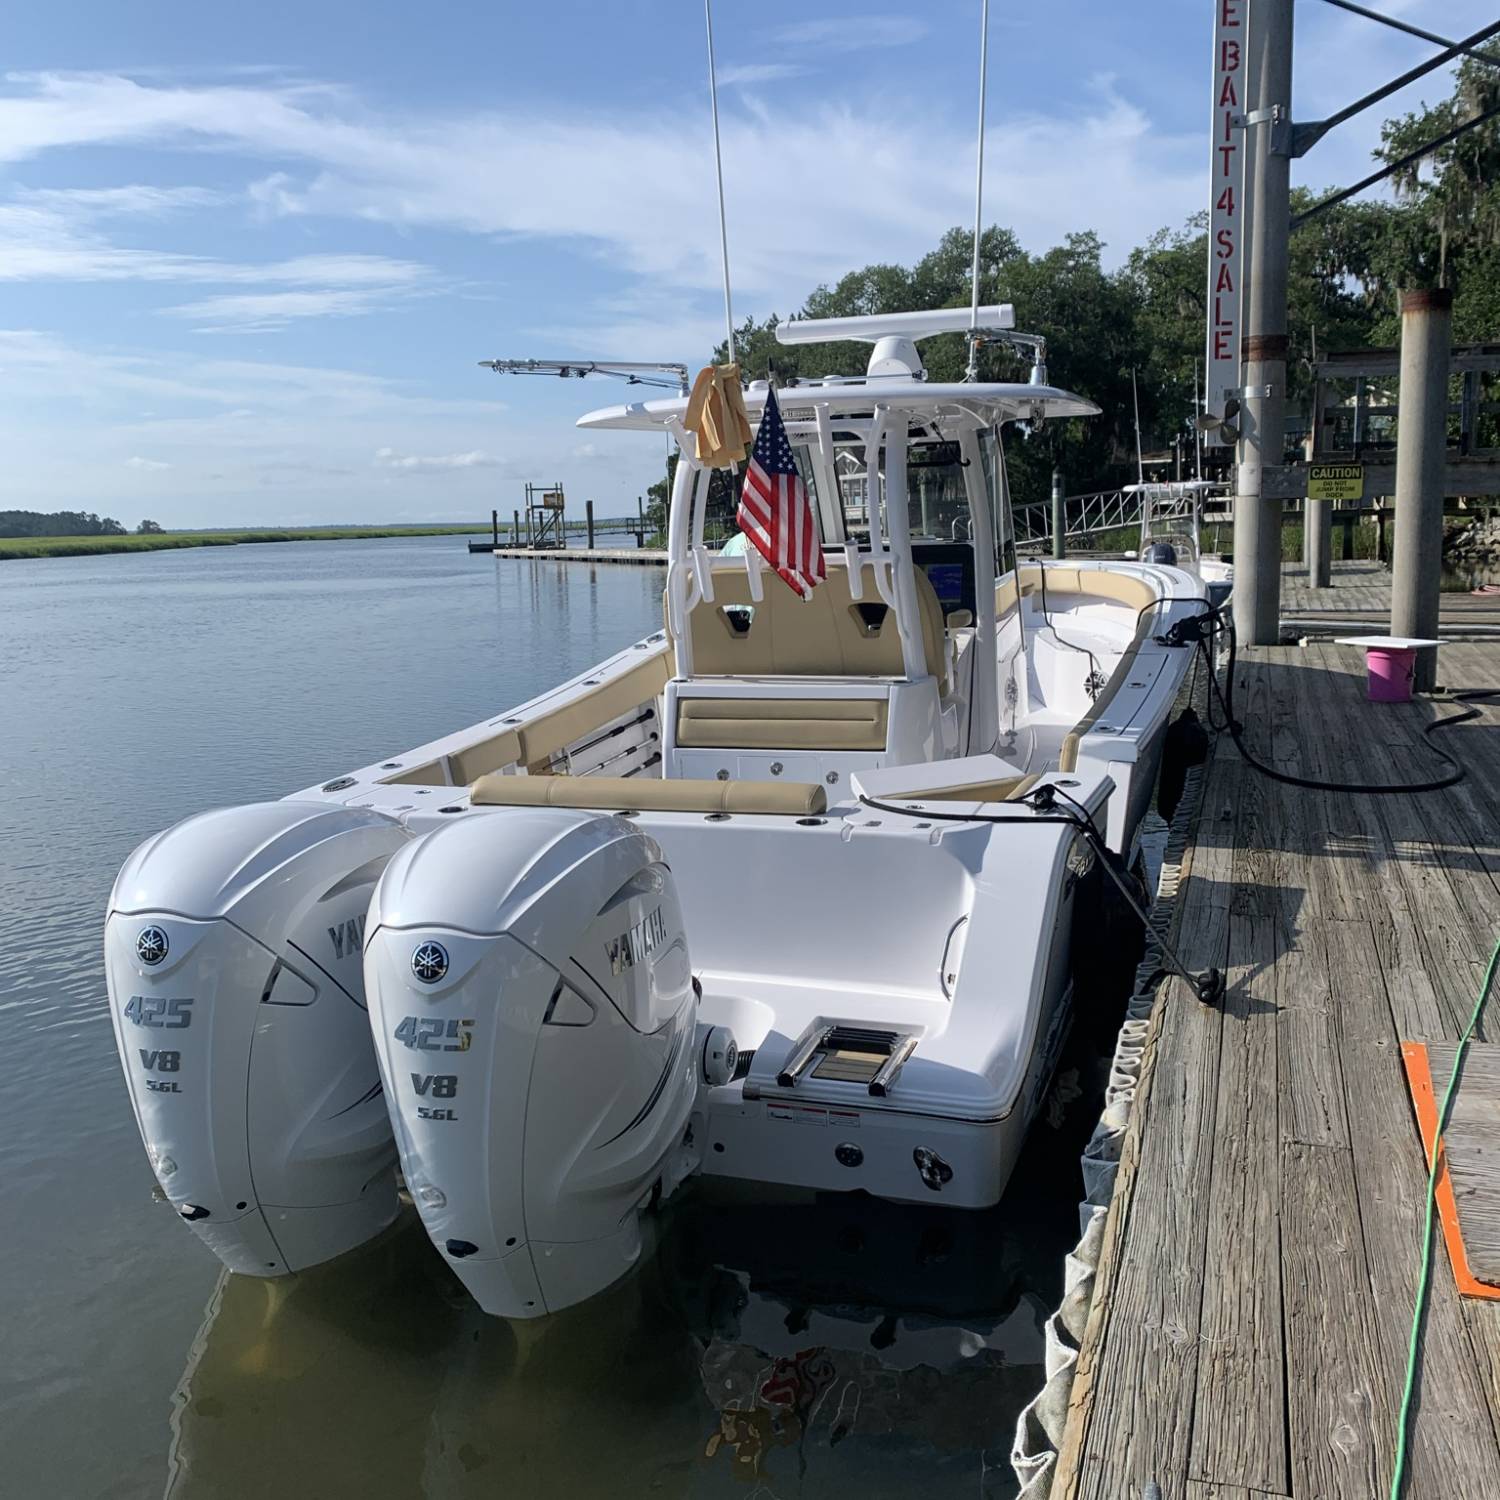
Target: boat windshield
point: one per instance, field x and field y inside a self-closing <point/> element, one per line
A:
<point x="937" y="502"/>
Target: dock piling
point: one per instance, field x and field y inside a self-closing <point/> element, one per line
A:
<point x="1317" y="541"/>
<point x="1059" y="534"/>
<point x="1422" y="425"/>
<point x="588" y="511"/>
<point x="1257" y="520"/>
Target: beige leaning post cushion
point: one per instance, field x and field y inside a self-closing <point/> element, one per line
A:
<point x="651" y="794"/>
<point x="782" y="723"/>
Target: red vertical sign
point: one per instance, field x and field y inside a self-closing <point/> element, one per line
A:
<point x="1226" y="217"/>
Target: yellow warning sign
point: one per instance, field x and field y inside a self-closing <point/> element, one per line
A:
<point x="1336" y="482"/>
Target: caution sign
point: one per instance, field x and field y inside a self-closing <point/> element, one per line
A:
<point x="1336" y="482"/>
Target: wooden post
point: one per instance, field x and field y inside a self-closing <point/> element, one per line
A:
<point x="588" y="510"/>
<point x="495" y="527"/>
<point x="515" y="529"/>
<point x="1421" y="449"/>
<point x="640" y="513"/>
<point x="1059" y="525"/>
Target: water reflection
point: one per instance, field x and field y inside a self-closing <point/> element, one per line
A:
<point x="833" y="1346"/>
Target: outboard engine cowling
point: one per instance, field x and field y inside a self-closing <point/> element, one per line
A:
<point x="236" y="988"/>
<point x="535" y="1019"/>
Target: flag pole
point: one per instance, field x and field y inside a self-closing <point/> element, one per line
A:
<point x="713" y="96"/>
<point x="972" y="373"/>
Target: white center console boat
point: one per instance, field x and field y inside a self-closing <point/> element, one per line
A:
<point x="788" y="891"/>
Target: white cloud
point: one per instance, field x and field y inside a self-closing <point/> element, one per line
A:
<point x="743" y="73"/>
<point x="411" y="463"/>
<point x="266" y="312"/>
<point x="853" y="181"/>
<point x="852" y="33"/>
<point x="252" y="440"/>
<point x="137" y="462"/>
<point x="40" y="241"/>
<point x="130" y="199"/>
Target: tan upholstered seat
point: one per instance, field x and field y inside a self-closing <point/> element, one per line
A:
<point x="829" y="635"/>
<point x="543" y="737"/>
<point x="651" y="794"/>
<point x="429" y="773"/>
<point x="503" y="749"/>
<point x="1007" y="789"/>
<point x="534" y="743"/>
<point x="782" y="723"/>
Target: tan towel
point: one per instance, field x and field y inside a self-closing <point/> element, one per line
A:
<point x="716" y="416"/>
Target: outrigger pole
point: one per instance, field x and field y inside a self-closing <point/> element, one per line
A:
<point x="713" y="99"/>
<point x="972" y="373"/>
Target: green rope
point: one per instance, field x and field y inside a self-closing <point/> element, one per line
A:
<point x="1402" y="1422"/>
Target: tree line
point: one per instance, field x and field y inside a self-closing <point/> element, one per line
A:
<point x="1138" y="330"/>
<point x="66" y="523"/>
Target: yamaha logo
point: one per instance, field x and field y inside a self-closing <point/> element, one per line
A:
<point x="430" y="962"/>
<point x="151" y="945"/>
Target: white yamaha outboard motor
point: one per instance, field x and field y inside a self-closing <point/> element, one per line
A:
<point x="236" y="986"/>
<point x="536" y="1022"/>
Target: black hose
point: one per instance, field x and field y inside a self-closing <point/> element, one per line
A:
<point x="1371" y="789"/>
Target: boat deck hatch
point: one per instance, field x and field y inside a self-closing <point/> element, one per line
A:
<point x="848" y="1054"/>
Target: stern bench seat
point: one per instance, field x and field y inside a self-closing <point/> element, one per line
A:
<point x="650" y="794"/>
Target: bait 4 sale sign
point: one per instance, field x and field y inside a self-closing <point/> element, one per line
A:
<point x="1226" y="219"/>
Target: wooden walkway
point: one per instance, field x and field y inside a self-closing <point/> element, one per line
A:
<point x="1248" y="1335"/>
<point x="1359" y="596"/>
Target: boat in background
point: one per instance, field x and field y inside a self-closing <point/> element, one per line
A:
<point x="791" y="891"/>
<point x="1172" y="518"/>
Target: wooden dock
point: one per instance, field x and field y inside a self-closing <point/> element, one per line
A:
<point x="1358" y="600"/>
<point x="1248" y="1334"/>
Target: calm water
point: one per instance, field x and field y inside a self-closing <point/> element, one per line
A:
<point x="843" y="1348"/>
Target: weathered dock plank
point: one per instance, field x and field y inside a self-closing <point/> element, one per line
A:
<point x="1340" y="1410"/>
<point x="1471" y="1144"/>
<point x="1249" y="1336"/>
<point x="1240" y="1431"/>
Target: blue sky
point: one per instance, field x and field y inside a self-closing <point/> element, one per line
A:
<point x="250" y="256"/>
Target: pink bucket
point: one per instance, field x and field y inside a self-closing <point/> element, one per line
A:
<point x="1390" y="674"/>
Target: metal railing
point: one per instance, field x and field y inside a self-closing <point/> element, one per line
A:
<point x="1083" y="515"/>
<point x="1089" y="515"/>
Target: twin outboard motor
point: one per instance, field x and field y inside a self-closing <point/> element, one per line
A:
<point x="236" y="988"/>
<point x="535" y="1017"/>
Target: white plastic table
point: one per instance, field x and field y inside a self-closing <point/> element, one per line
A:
<point x="1390" y="661"/>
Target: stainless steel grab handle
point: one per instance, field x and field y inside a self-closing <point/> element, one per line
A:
<point x="881" y="1083"/>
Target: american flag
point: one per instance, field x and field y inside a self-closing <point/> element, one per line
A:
<point x="774" y="513"/>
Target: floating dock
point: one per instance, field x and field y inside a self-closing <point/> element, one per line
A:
<point x="1247" y="1335"/>
<point x="649" y="557"/>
